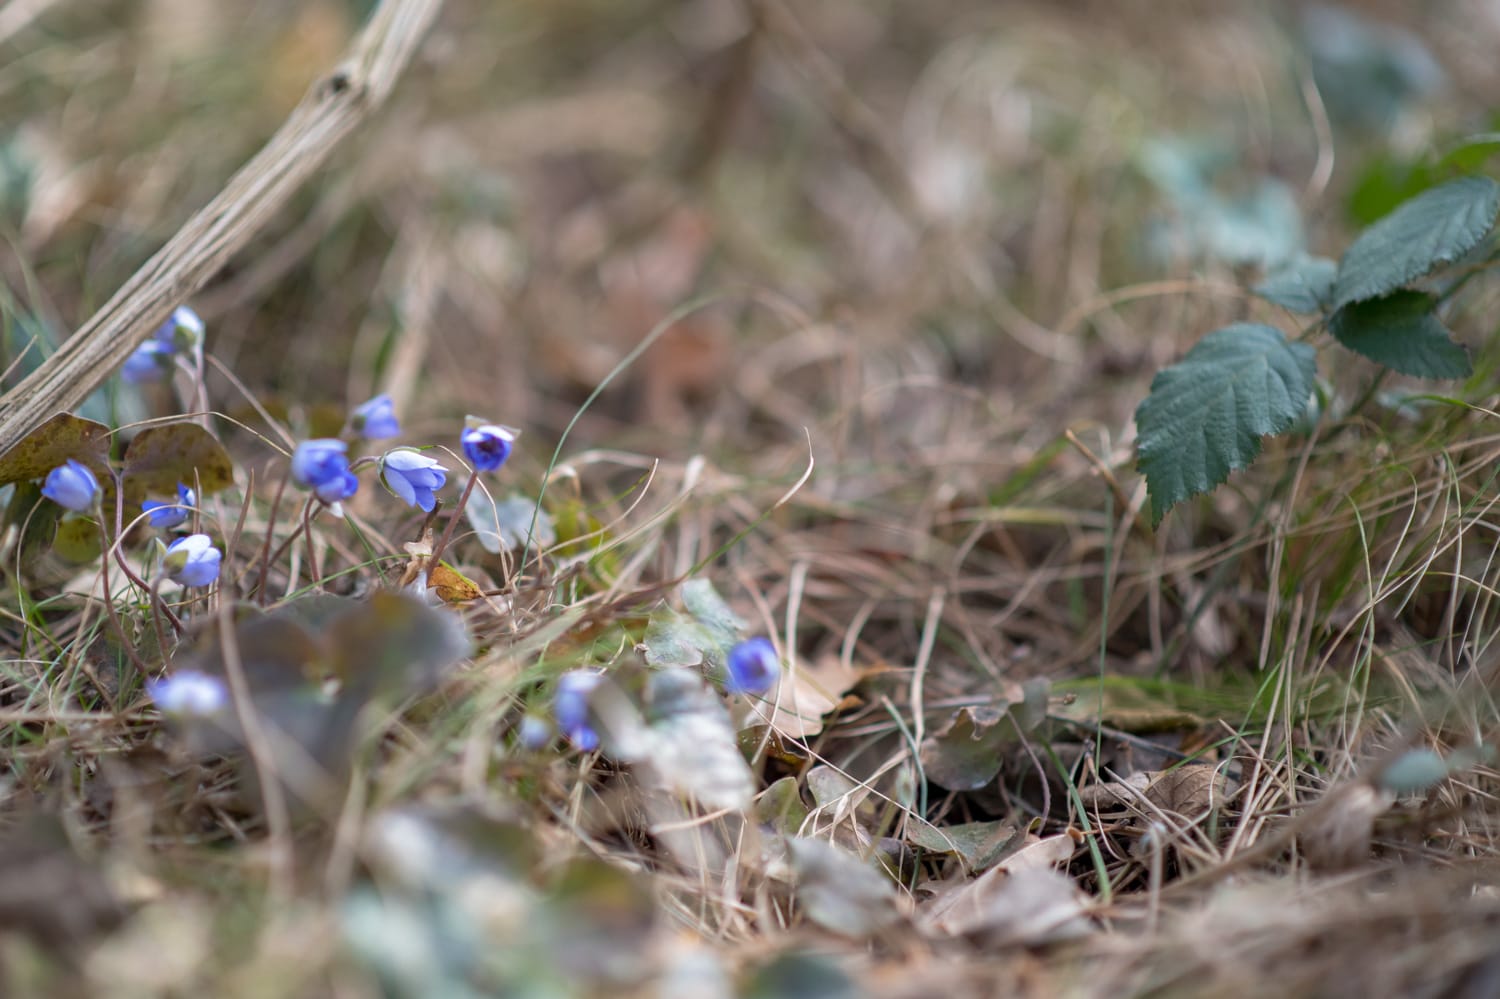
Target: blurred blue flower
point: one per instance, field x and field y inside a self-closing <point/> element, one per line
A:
<point x="487" y="445"/>
<point x="337" y="488"/>
<point x="182" y="333"/>
<point x="376" y="419"/>
<point x="753" y="667"/>
<point x="150" y="362"/>
<point x="413" y="476"/>
<point x="534" y="733"/>
<point x="72" y="486"/>
<point x="571" y="707"/>
<point x="188" y="693"/>
<point x="192" y="560"/>
<point x="318" y="462"/>
<point x="169" y="515"/>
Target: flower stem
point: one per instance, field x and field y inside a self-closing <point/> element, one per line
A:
<point x="458" y="511"/>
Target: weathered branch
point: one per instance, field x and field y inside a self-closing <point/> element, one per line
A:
<point x="331" y="110"/>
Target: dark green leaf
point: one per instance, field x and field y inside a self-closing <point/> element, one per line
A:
<point x="1436" y="227"/>
<point x="1206" y="414"/>
<point x="805" y="976"/>
<point x="1303" y="285"/>
<point x="967" y="752"/>
<point x="781" y="807"/>
<point x="980" y="844"/>
<point x="1402" y="332"/>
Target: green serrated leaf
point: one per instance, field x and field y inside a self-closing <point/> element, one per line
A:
<point x="1303" y="285"/>
<point x="1402" y="332"/>
<point x="1206" y="414"/>
<point x="1436" y="227"/>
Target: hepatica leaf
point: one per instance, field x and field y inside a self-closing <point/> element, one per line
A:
<point x="1206" y="414"/>
<point x="507" y="523"/>
<point x="1436" y="227"/>
<point x="702" y="637"/>
<point x="159" y="458"/>
<point x="62" y="437"/>
<point x="1401" y="331"/>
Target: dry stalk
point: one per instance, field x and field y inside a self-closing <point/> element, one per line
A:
<point x="333" y="107"/>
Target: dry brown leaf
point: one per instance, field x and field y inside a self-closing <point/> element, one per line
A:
<point x="967" y="907"/>
<point x="1340" y="838"/>
<point x="805" y="694"/>
<point x="452" y="586"/>
<point x="1187" y="790"/>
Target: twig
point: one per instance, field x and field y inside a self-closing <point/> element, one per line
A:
<point x="330" y="111"/>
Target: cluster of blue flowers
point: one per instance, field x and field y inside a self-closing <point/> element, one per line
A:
<point x="322" y="464"/>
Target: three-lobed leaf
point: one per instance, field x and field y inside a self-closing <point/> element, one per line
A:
<point x="1436" y="227"/>
<point x="1206" y="415"/>
<point x="1401" y="331"/>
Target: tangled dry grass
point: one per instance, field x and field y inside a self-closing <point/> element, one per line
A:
<point x="886" y="284"/>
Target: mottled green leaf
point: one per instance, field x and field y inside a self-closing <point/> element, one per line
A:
<point x="159" y="458"/>
<point x="62" y="437"/>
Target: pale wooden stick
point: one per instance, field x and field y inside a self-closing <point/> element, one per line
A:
<point x="332" y="108"/>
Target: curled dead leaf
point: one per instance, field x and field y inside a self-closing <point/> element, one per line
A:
<point x="806" y="694"/>
<point x="1189" y="790"/>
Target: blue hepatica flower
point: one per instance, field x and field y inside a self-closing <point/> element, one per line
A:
<point x="169" y="515"/>
<point x="376" y="419"/>
<point x="150" y="362"/>
<point x="189" y="693"/>
<point x="753" y="667"/>
<point x="413" y="476"/>
<point x="571" y="707"/>
<point x="487" y="445"/>
<point x="183" y="332"/>
<point x="337" y="488"/>
<point x="72" y="485"/>
<point x="192" y="560"/>
<point x="534" y="733"/>
<point x="318" y="462"/>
